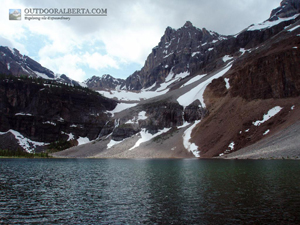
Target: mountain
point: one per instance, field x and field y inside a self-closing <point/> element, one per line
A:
<point x="199" y="94"/>
<point x="36" y="112"/>
<point x="210" y="94"/>
<point x="16" y="64"/>
<point x="106" y="82"/>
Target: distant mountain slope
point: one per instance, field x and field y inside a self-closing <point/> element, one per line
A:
<point x="106" y="82"/>
<point x="14" y="63"/>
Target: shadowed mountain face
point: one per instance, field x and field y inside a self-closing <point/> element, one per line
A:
<point x="199" y="94"/>
<point x="14" y="63"/>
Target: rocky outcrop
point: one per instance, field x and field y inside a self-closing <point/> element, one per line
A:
<point x="270" y="73"/>
<point x="287" y="8"/>
<point x="185" y="49"/>
<point x="47" y="112"/>
<point x="14" y="63"/>
<point x="106" y="82"/>
<point x="19" y="65"/>
<point x="258" y="81"/>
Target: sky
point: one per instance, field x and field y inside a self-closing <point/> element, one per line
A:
<point x="119" y="43"/>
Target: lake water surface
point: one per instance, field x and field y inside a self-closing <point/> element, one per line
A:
<point x="112" y="191"/>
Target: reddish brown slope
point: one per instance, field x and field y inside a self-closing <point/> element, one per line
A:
<point x="259" y="81"/>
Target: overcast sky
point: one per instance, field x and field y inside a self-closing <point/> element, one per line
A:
<point x="119" y="43"/>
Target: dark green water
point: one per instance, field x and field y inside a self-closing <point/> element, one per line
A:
<point x="111" y="191"/>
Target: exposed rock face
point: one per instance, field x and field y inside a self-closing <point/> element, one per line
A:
<point x="287" y="8"/>
<point x="260" y="80"/>
<point x="49" y="112"/>
<point x="185" y="49"/>
<point x="106" y="82"/>
<point x="13" y="63"/>
<point x="19" y="64"/>
<point x="273" y="74"/>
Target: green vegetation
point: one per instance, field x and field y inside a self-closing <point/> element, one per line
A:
<point x="59" y="146"/>
<point x="21" y="154"/>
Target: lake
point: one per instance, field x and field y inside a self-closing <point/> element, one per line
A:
<point x="157" y="191"/>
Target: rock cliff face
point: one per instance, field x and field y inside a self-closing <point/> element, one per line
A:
<point x="178" y="51"/>
<point x="287" y="8"/>
<point x="14" y="63"/>
<point x="259" y="81"/>
<point x="48" y="112"/>
<point x="187" y="49"/>
<point x="106" y="82"/>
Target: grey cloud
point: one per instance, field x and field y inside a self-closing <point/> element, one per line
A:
<point x="222" y="16"/>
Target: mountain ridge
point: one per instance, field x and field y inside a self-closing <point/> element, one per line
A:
<point x="201" y="94"/>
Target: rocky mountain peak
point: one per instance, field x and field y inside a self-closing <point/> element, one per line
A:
<point x="287" y="8"/>
<point x="188" y="24"/>
<point x="104" y="82"/>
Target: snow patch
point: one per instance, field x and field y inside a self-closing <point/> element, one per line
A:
<point x="168" y="55"/>
<point x="242" y="50"/>
<point x="113" y="143"/>
<point x="231" y="147"/>
<point x="195" y="53"/>
<point x="266" y="132"/>
<point x="8" y="66"/>
<point x="83" y="140"/>
<point x="124" y="95"/>
<point x="61" y="120"/>
<point x="142" y="116"/>
<point x="191" y="147"/>
<point x="71" y="136"/>
<point x="185" y="124"/>
<point x="227" y="58"/>
<point x="197" y="92"/>
<point x="293" y="107"/>
<point x="23" y="114"/>
<point x="294" y="28"/>
<point x="25" y="143"/>
<point x="272" y="112"/>
<point x="227" y="83"/>
<point x="49" y="122"/>
<point x="42" y="75"/>
<point x="194" y="79"/>
<point x="268" y="24"/>
<point x="120" y="107"/>
<point x="146" y="136"/>
<point x="171" y="79"/>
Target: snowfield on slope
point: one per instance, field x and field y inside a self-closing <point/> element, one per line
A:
<point x="120" y="107"/>
<point x="146" y="136"/>
<point x="124" y="95"/>
<point x="24" y="142"/>
<point x="191" y="147"/>
<point x="197" y="92"/>
<point x="272" y="112"/>
<point x="268" y="24"/>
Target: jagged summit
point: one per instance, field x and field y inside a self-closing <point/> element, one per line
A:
<point x="188" y="24"/>
<point x="178" y="51"/>
<point x="286" y="9"/>
<point x="104" y="82"/>
<point x="12" y="62"/>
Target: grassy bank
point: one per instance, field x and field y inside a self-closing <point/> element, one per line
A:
<point x="22" y="154"/>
